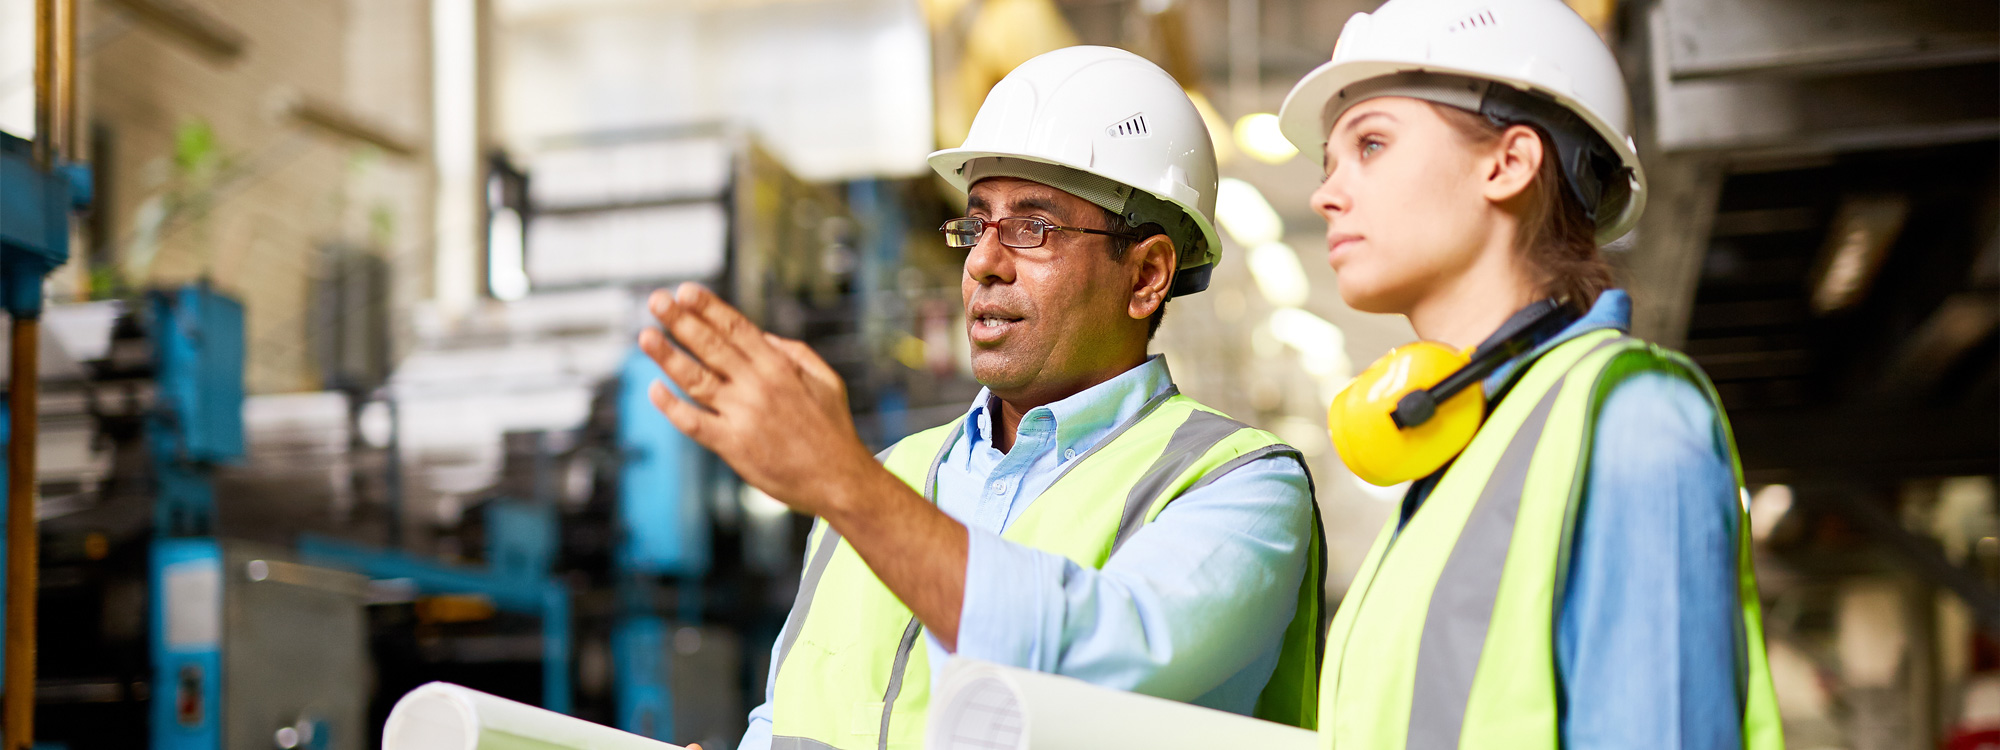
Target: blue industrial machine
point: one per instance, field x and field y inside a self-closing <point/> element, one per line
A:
<point x="665" y="484"/>
<point x="35" y="206"/>
<point x="218" y="628"/>
<point x="521" y="546"/>
<point x="197" y="422"/>
<point x="195" y="425"/>
<point x="38" y="194"/>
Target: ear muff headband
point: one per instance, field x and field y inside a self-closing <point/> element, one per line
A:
<point x="1417" y="407"/>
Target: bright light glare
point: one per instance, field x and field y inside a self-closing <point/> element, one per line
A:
<point x="761" y="506"/>
<point x="1321" y="345"/>
<point x="17" y="67"/>
<point x="1390" y="494"/>
<point x="506" y="265"/>
<point x="1245" y="215"/>
<point x="1279" y="275"/>
<point x="1258" y="135"/>
<point x="1767" y="508"/>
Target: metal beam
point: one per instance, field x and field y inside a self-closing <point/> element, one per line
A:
<point x="1663" y="269"/>
<point x="1726" y="111"/>
<point x="1959" y="323"/>
<point x="204" y="33"/>
<point x="1921" y="554"/>
<point x="1717" y="38"/>
<point x="335" y="120"/>
<point x="1865" y="444"/>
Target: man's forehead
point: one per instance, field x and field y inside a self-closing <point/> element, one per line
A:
<point x="1000" y="192"/>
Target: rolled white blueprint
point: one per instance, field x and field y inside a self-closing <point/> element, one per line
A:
<point x="443" y="716"/>
<point x="984" y="706"/>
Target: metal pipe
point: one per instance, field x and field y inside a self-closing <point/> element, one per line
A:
<point x="22" y="545"/>
<point x="65" y="96"/>
<point x="45" y="83"/>
<point x="55" y="87"/>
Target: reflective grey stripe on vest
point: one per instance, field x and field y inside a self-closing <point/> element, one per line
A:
<point x="799" y="743"/>
<point x="1190" y="441"/>
<point x="896" y="678"/>
<point x="915" y="627"/>
<point x="1461" y="608"/>
<point x="807" y="585"/>
<point x="824" y="555"/>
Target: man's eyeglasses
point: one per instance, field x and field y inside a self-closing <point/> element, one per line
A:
<point x="1019" y="232"/>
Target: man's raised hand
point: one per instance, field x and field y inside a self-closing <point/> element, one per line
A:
<point x="768" y="405"/>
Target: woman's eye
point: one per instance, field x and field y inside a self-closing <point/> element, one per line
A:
<point x="1369" y="147"/>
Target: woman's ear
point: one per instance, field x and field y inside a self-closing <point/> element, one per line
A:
<point x="1152" y="276"/>
<point x="1515" y="160"/>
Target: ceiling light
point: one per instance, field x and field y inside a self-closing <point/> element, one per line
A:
<point x="1259" y="136"/>
<point x="1321" y="345"/>
<point x="1856" y="244"/>
<point x="1279" y="275"/>
<point x="1218" y="128"/>
<point x="1245" y="215"/>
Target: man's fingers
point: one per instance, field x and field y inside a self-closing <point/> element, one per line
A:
<point x="691" y="420"/>
<point x="695" y="333"/>
<point x="700" y="383"/>
<point x="808" y="361"/>
<point x="728" y="322"/>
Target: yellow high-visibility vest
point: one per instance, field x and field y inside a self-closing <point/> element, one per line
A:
<point x="852" y="673"/>
<point x="1446" y="638"/>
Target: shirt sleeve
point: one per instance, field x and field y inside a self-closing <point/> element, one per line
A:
<point x="758" y="736"/>
<point x="1649" y="630"/>
<point x="1199" y="597"/>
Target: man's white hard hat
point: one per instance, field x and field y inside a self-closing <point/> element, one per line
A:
<point x="1110" y="127"/>
<point x="1536" y="46"/>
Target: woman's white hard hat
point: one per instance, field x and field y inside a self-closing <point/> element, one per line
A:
<point x="1538" y="46"/>
<point x="1110" y="127"/>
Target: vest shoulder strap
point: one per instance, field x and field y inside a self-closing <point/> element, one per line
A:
<point x="911" y="458"/>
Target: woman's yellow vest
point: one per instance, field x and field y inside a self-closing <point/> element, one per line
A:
<point x="852" y="673"/>
<point x="1446" y="637"/>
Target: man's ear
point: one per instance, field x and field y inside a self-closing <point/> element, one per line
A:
<point x="1513" y="163"/>
<point x="1153" y="262"/>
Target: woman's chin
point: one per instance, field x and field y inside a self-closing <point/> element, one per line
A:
<point x="1366" y="297"/>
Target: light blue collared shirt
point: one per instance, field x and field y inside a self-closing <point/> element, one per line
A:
<point x="1193" y="607"/>
<point x="1649" y="628"/>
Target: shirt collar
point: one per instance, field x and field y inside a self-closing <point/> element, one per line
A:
<point x="1613" y="310"/>
<point x="1084" y="419"/>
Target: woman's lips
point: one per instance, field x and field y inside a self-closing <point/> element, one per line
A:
<point x="1335" y="244"/>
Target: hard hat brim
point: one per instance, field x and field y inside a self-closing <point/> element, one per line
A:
<point x="1299" y="120"/>
<point x="950" y="164"/>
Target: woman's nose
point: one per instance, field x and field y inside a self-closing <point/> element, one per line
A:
<point x="1330" y="198"/>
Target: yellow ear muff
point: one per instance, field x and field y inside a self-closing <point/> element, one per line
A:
<point x="1368" y="437"/>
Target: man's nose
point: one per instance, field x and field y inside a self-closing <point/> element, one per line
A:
<point x="988" y="261"/>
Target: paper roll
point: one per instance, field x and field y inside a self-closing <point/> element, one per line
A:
<point x="984" y="706"/>
<point x="443" y="716"/>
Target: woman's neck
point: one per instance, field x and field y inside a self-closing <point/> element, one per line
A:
<point x="1469" y="307"/>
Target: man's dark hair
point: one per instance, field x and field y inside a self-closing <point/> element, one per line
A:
<point x="1121" y="245"/>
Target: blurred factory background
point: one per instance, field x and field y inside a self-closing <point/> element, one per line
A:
<point x="339" y="391"/>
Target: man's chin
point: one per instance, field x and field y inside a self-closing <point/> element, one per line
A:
<point x="999" y="373"/>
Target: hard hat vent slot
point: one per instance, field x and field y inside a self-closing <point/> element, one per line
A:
<point x="1130" y="127"/>
<point x="1482" y="18"/>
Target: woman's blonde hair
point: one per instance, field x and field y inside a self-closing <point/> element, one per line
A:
<point x="1557" y="237"/>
